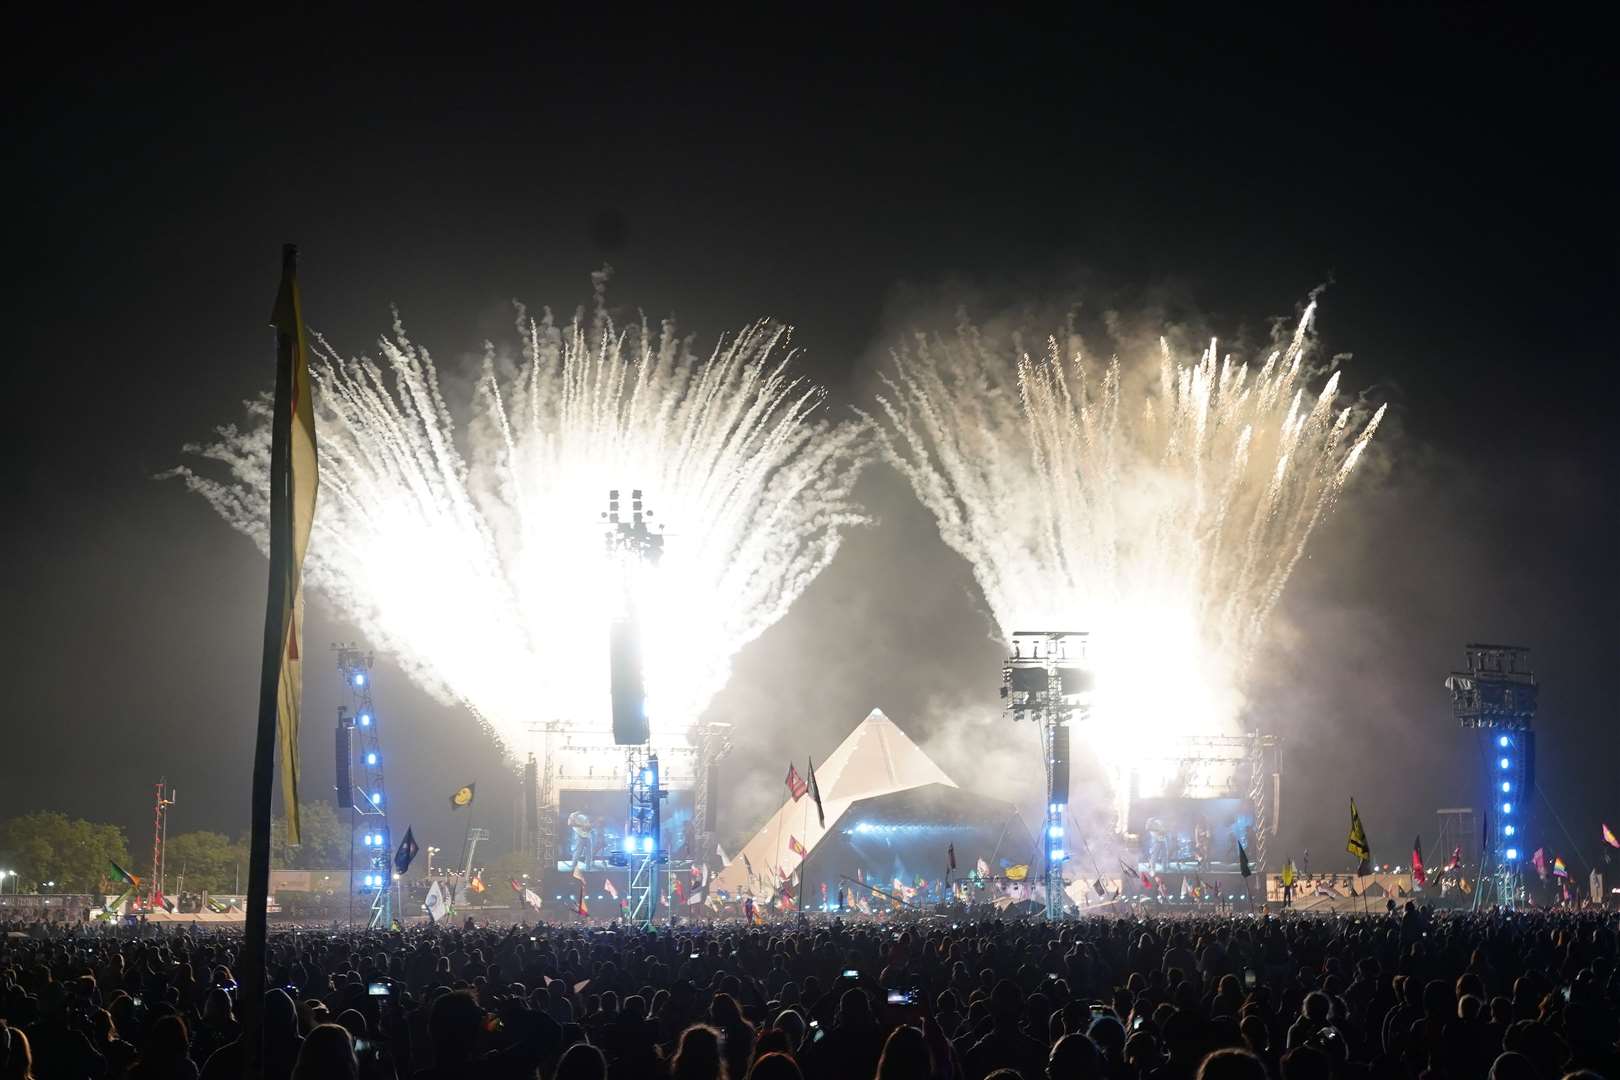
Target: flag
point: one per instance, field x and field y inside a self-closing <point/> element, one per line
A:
<point x="1244" y="870"/>
<point x="168" y="905"/>
<point x="1017" y="873"/>
<point x="477" y="883"/>
<point x="1147" y="881"/>
<point x="1539" y="861"/>
<point x="983" y="868"/>
<point x="124" y="875"/>
<point x="1419" y="878"/>
<point x="725" y="860"/>
<point x="1288" y="873"/>
<point x="407" y="851"/>
<point x="1356" y="844"/>
<point x="294" y="477"/>
<point x="584" y="912"/>
<point x="463" y="797"/>
<point x="610" y="888"/>
<point x="579" y="873"/>
<point x="950" y="856"/>
<point x="1559" y="869"/>
<point x="815" y="793"/>
<point x="1609" y="837"/>
<point x="435" y="905"/>
<point x="796" y="847"/>
<point x="680" y="892"/>
<point x="531" y="898"/>
<point x="1456" y="858"/>
<point x="795" y="783"/>
<point x="1097" y="887"/>
<point x="515" y="886"/>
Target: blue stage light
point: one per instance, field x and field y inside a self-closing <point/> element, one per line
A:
<point x="376" y="798"/>
<point x="371" y="759"/>
<point x="1507" y="808"/>
<point x="1057" y="854"/>
<point x="1506" y="787"/>
<point x="1502" y="742"/>
<point x="647" y="776"/>
<point x="1509" y="830"/>
<point x="1512" y="853"/>
<point x="1055" y="831"/>
<point x="1505" y="763"/>
<point x="647" y="844"/>
<point x="365" y="719"/>
<point x="359" y="678"/>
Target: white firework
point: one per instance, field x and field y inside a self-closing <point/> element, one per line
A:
<point x="1164" y="527"/>
<point x="479" y="562"/>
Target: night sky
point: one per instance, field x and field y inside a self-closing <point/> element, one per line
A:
<point x="1451" y="175"/>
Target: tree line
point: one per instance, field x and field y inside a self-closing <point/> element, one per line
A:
<point x="51" y="852"/>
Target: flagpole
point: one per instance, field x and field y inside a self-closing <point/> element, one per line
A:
<point x="252" y="963"/>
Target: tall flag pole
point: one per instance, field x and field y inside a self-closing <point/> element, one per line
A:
<point x="1419" y="877"/>
<point x="293" y="481"/>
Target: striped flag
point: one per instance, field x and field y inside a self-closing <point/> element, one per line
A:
<point x="795" y="783"/>
<point x="294" y="478"/>
<point x="796" y="847"/>
<point x="610" y="888"/>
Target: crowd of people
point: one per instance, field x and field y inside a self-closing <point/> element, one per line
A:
<point x="1408" y="993"/>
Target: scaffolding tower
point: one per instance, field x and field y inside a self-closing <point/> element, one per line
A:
<point x="1047" y="680"/>
<point x="1495" y="700"/>
<point x="370" y="795"/>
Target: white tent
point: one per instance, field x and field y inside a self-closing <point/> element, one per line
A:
<point x="876" y="759"/>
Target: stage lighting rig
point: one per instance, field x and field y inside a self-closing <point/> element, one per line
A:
<point x="1047" y="680"/>
<point x="1497" y="694"/>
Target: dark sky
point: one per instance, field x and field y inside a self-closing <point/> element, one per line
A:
<point x="1453" y="175"/>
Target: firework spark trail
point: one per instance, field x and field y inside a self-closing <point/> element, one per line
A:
<point x="484" y="571"/>
<point x="1167" y="531"/>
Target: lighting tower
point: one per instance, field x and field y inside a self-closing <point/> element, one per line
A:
<point x="160" y="836"/>
<point x="1497" y="695"/>
<point x="1046" y="680"/>
<point x="369" y="795"/>
<point x="633" y="543"/>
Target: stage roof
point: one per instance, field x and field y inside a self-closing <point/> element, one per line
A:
<point x="876" y="759"/>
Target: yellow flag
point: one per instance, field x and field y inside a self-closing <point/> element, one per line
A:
<point x="1288" y="873"/>
<point x="1017" y="873"/>
<point x="294" y="491"/>
<point x="1357" y="843"/>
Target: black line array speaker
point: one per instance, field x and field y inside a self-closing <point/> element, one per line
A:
<point x="344" y="793"/>
<point x="1060" y="763"/>
<point x="629" y="694"/>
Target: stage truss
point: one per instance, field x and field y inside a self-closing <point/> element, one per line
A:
<point x="1195" y="767"/>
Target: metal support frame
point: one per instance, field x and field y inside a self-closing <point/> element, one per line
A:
<point x="1046" y="680"/>
<point x="370" y="798"/>
<point x="1497" y="696"/>
<point x="643" y="834"/>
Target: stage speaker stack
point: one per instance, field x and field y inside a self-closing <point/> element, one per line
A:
<point x="531" y="805"/>
<point x="629" y="695"/>
<point x="1060" y="763"/>
<point x="344" y="793"/>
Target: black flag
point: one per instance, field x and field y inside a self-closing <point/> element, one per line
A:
<point x="1243" y="861"/>
<point x="815" y="793"/>
<point x="407" y="851"/>
<point x="950" y="856"/>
